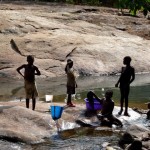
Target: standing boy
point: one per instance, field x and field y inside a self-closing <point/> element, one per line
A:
<point x="71" y="82"/>
<point x="126" y="78"/>
<point x="29" y="80"/>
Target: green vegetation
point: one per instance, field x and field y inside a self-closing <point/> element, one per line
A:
<point x="134" y="6"/>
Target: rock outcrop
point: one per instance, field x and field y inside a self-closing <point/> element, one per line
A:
<point x="96" y="39"/>
<point x="21" y="125"/>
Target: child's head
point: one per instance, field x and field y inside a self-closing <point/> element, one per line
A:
<point x="127" y="60"/>
<point x="108" y="94"/>
<point x="90" y="96"/>
<point x="70" y="63"/>
<point x="30" y="59"/>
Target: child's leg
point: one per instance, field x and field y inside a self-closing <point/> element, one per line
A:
<point x="148" y="114"/>
<point x="69" y="103"/>
<point x="126" y="101"/>
<point x="113" y="120"/>
<point x="121" y="101"/>
<point x="106" y="122"/>
<point x="126" y="105"/>
<point x="69" y="99"/>
<point x="69" y="95"/>
<point x="27" y="103"/>
<point x="70" y="91"/>
<point x="117" y="122"/>
<point x="33" y="103"/>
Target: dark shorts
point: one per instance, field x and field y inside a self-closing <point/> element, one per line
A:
<point x="124" y="89"/>
<point x="70" y="90"/>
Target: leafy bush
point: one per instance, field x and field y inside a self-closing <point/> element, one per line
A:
<point x="135" y="5"/>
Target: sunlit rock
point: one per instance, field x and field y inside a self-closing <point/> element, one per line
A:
<point x="96" y="41"/>
<point x="24" y="125"/>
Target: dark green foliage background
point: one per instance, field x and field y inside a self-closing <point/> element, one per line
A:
<point x="134" y="6"/>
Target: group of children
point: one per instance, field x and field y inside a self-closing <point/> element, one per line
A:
<point x="126" y="78"/>
<point x="30" y="70"/>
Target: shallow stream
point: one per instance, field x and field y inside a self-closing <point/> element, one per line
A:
<point x="12" y="89"/>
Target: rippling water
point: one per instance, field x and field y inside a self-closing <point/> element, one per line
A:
<point x="79" y="139"/>
<point x="85" y="138"/>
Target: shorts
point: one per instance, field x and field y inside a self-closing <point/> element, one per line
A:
<point x="70" y="90"/>
<point x="30" y="90"/>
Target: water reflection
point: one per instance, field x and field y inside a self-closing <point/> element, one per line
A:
<point x="139" y="95"/>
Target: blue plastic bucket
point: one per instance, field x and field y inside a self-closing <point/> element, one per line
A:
<point x="56" y="112"/>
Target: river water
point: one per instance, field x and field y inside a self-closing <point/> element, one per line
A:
<point x="139" y="91"/>
<point x="82" y="142"/>
<point x="12" y="89"/>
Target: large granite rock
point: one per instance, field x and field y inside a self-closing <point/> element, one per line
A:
<point x="18" y="124"/>
<point x="96" y="39"/>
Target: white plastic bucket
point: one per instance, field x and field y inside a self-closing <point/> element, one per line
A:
<point x="48" y="98"/>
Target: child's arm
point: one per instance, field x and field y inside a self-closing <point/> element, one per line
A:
<point x="37" y="71"/>
<point x="116" y="85"/>
<point x="132" y="76"/>
<point x="112" y="107"/>
<point x="19" y="68"/>
<point x="100" y="100"/>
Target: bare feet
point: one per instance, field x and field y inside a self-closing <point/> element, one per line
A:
<point x="126" y="114"/>
<point x="120" y="112"/>
<point x="71" y="105"/>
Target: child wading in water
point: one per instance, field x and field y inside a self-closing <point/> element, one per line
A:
<point x="126" y="78"/>
<point x="71" y="82"/>
<point x="29" y="80"/>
